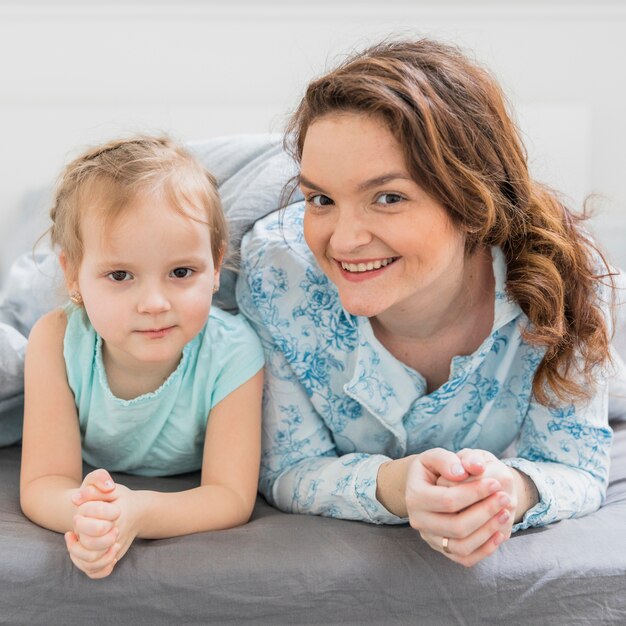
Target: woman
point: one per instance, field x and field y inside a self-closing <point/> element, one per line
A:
<point x="426" y="308"/>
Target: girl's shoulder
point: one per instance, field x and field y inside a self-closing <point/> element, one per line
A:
<point x="47" y="336"/>
<point x="51" y="325"/>
<point x="225" y="329"/>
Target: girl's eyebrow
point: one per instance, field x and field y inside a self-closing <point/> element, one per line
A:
<point x="383" y="179"/>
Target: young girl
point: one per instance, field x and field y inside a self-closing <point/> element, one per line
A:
<point x="138" y="371"/>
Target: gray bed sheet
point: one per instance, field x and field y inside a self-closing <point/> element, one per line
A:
<point x="292" y="569"/>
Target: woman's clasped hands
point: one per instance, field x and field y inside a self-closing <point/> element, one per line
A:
<point x="102" y="526"/>
<point x="463" y="504"/>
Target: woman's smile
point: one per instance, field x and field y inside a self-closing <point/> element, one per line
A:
<point x="364" y="269"/>
<point x="385" y="243"/>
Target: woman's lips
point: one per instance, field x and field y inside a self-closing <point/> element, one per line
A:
<point x="364" y="274"/>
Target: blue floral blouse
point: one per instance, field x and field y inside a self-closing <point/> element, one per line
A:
<point x="337" y="404"/>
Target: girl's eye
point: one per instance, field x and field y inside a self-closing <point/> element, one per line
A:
<point x="181" y="272"/>
<point x="319" y="199"/>
<point x="389" y="198"/>
<point x="119" y="276"/>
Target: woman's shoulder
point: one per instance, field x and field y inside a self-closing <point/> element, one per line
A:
<point x="277" y="240"/>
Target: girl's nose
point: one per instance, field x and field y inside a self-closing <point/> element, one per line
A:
<point x="153" y="300"/>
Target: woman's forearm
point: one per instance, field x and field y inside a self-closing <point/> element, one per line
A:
<point x="208" y="507"/>
<point x="527" y="494"/>
<point x="391" y="485"/>
<point x="47" y="501"/>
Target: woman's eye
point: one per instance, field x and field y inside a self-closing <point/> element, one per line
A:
<point x="181" y="272"/>
<point x="119" y="276"/>
<point x="389" y="198"/>
<point x="320" y="199"/>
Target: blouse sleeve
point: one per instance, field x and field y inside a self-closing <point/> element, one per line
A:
<point x="565" y="450"/>
<point x="301" y="471"/>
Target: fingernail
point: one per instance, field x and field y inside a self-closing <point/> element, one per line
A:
<point x="108" y="484"/>
<point x="477" y="462"/>
<point x="503" y="518"/>
<point x="457" y="469"/>
<point x="76" y="498"/>
<point x="493" y="486"/>
<point x="503" y="499"/>
<point x="498" y="539"/>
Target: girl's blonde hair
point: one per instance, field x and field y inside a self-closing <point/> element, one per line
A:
<point x="461" y="146"/>
<point x="109" y="177"/>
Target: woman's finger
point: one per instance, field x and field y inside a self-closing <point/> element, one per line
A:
<point x="465" y="547"/>
<point x="492" y="543"/>
<point x="88" y="493"/>
<point x="475" y="461"/>
<point x="462" y="525"/>
<point x="437" y="499"/>
<point x="437" y="462"/>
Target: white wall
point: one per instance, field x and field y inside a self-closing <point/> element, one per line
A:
<point x="72" y="73"/>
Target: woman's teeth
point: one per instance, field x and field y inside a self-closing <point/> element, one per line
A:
<point x="366" y="267"/>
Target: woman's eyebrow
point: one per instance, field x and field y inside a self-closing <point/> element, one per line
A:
<point x="366" y="184"/>
<point x="382" y="180"/>
<point x="302" y="180"/>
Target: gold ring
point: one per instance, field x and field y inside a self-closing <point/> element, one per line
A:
<point x="444" y="545"/>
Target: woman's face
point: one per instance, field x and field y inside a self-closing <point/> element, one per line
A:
<point x="385" y="243"/>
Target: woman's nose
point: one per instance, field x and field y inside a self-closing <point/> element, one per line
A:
<point x="350" y="232"/>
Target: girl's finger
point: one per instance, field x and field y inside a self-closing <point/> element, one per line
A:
<point x="78" y="552"/>
<point x="98" y="509"/>
<point x="101" y="479"/>
<point x="98" y="568"/>
<point x="91" y="526"/>
<point x="99" y="544"/>
<point x="88" y="493"/>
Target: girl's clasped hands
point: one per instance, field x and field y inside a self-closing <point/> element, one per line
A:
<point x="103" y="527"/>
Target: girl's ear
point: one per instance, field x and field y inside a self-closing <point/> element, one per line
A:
<point x="71" y="281"/>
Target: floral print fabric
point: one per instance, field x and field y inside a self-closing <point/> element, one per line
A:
<point x="337" y="404"/>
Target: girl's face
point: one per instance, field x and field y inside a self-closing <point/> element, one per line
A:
<point x="146" y="281"/>
<point x="385" y="243"/>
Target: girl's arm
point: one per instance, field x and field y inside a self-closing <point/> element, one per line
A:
<point x="51" y="450"/>
<point x="230" y="472"/>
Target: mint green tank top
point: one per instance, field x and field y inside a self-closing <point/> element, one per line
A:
<point x="162" y="432"/>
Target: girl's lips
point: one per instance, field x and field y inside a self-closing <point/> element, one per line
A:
<point x="156" y="333"/>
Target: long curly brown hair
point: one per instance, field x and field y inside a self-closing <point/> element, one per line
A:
<point x="462" y="147"/>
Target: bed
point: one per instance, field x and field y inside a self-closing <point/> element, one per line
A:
<point x="282" y="568"/>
